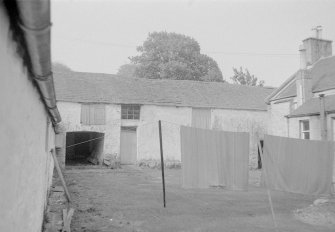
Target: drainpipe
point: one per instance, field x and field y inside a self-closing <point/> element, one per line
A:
<point x="35" y="23"/>
<point x="323" y="120"/>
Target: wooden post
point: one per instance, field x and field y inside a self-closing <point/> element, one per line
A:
<point x="60" y="174"/>
<point x="323" y="120"/>
<point x="162" y="159"/>
<point x="266" y="183"/>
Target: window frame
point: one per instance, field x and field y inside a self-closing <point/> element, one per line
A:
<point x="130" y="111"/>
<point x="303" y="131"/>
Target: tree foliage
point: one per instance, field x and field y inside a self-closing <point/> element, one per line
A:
<point x="174" y="56"/>
<point x="245" y="78"/>
<point x="127" y="70"/>
<point x="59" y="67"/>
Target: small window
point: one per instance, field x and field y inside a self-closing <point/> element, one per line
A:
<point x="130" y="112"/>
<point x="93" y="114"/>
<point x="304" y="129"/>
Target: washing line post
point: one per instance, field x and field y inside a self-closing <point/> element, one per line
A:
<point x="267" y="184"/>
<point x="162" y="159"/>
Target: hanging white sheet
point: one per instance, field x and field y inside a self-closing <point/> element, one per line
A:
<point x="298" y="165"/>
<point x="214" y="158"/>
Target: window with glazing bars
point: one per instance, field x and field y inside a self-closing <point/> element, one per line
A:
<point x="304" y="129"/>
<point x="130" y="111"/>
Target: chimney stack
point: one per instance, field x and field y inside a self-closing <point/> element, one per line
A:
<point x="311" y="50"/>
<point x="302" y="51"/>
<point x="318" y="32"/>
<point x="316" y="47"/>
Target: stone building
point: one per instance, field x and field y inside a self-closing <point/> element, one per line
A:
<point x="28" y="114"/>
<point x="120" y="115"/>
<point x="304" y="105"/>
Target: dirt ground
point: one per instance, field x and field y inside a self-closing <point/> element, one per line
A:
<point x="130" y="199"/>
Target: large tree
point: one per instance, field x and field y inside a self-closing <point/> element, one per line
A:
<point x="174" y="56"/>
<point x="245" y="78"/>
<point x="127" y="70"/>
<point x="59" y="67"/>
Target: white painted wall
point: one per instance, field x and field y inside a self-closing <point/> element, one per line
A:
<point x="278" y="124"/>
<point x="172" y="117"/>
<point x="253" y="122"/>
<point x="222" y="119"/>
<point x="71" y="113"/>
<point x="25" y="162"/>
<point x="314" y="124"/>
<point x="147" y="133"/>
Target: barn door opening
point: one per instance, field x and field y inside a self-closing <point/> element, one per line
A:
<point x="128" y="145"/>
<point x="84" y="147"/>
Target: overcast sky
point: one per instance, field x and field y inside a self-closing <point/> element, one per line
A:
<point x="263" y="36"/>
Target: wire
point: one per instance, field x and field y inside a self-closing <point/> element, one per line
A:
<point x="156" y="122"/>
<point x="84" y="142"/>
<point x="207" y="52"/>
<point x="172" y="123"/>
<point x="97" y="42"/>
<point x="252" y="53"/>
<point x="148" y="123"/>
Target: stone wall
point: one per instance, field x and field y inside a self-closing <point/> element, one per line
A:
<point x="172" y="117"/>
<point x="253" y="122"/>
<point x="147" y="134"/>
<point x="228" y="120"/>
<point x="71" y="113"/>
<point x="26" y="136"/>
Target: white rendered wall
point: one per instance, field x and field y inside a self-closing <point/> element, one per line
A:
<point x="253" y="122"/>
<point x="147" y="133"/>
<point x="278" y="124"/>
<point x="26" y="164"/>
<point x="71" y="113"/>
<point x="314" y="125"/>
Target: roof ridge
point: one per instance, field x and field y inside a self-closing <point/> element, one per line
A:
<point x="109" y="75"/>
<point x="88" y="87"/>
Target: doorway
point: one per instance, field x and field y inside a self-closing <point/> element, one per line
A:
<point x="84" y="147"/>
<point x="128" y="145"/>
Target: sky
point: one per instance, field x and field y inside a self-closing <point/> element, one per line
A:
<point x="260" y="35"/>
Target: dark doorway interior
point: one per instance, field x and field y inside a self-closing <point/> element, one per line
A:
<point x="84" y="147"/>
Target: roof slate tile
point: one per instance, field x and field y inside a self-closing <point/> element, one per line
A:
<point x="109" y="88"/>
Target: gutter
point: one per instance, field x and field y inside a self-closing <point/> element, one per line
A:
<point x="34" y="21"/>
<point x="309" y="114"/>
<point x="323" y="119"/>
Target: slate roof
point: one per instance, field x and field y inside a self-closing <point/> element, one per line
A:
<point x="323" y="78"/>
<point x="108" y="88"/>
<point x="312" y="107"/>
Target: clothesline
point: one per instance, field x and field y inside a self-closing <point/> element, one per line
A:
<point x="156" y="122"/>
<point x="104" y="136"/>
<point x="84" y="142"/>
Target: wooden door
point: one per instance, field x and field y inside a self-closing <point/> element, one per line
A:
<point x="128" y="145"/>
<point x="201" y="118"/>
